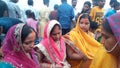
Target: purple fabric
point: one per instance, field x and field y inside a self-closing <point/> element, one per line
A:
<point x="114" y="22"/>
<point x="14" y="54"/>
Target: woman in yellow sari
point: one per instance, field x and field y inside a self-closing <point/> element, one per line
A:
<point x="96" y="55"/>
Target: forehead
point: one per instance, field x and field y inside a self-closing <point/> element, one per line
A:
<point x="84" y="19"/>
<point x="56" y="29"/>
<point x="86" y="5"/>
<point x="31" y="36"/>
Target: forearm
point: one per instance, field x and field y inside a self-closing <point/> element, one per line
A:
<point x="47" y="65"/>
<point x="76" y="56"/>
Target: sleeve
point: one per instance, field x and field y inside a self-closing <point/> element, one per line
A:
<point x="92" y="13"/>
<point x="72" y="14"/>
<point x="18" y="11"/>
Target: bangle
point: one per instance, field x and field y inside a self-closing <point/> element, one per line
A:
<point x="52" y="66"/>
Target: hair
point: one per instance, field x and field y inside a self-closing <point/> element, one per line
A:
<point x="45" y="1"/>
<point x="116" y="4"/>
<point x="93" y="25"/>
<point x="54" y="27"/>
<point x="112" y="2"/>
<point x="63" y="0"/>
<point x="85" y="15"/>
<point x="88" y="3"/>
<point x="25" y="32"/>
<point x="30" y="2"/>
<point x="106" y="26"/>
<point x="73" y="0"/>
<point x="15" y="1"/>
<point x="56" y="6"/>
<point x="30" y="14"/>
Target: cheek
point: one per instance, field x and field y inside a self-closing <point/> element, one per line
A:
<point x="109" y="43"/>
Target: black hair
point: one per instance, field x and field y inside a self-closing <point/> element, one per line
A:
<point x="85" y="15"/>
<point x="63" y="0"/>
<point x="45" y="2"/>
<point x="116" y="4"/>
<point x="106" y="26"/>
<point x="54" y="27"/>
<point x="30" y="2"/>
<point x="25" y="32"/>
<point x="88" y="3"/>
<point x="30" y="14"/>
<point x="72" y="0"/>
<point x="56" y="6"/>
<point x="93" y="25"/>
<point x="112" y="2"/>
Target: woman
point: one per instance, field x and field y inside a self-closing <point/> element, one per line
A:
<point x="90" y="48"/>
<point x="85" y="23"/>
<point x="111" y="35"/>
<point x="52" y="47"/>
<point x="86" y="7"/>
<point x="18" y="47"/>
<point x="32" y="22"/>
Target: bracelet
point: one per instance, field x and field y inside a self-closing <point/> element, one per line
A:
<point x="52" y="66"/>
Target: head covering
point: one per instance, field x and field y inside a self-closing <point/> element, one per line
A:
<point x="114" y="22"/>
<point x="13" y="51"/>
<point x="50" y="45"/>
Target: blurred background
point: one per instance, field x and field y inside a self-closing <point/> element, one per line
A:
<point x="39" y="3"/>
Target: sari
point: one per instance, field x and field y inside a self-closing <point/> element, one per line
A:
<point x="97" y="57"/>
<point x="13" y="51"/>
<point x="49" y="48"/>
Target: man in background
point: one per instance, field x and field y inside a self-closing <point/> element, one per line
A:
<point x="65" y="15"/>
<point x="3" y="9"/>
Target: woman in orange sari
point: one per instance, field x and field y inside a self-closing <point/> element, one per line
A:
<point x="95" y="55"/>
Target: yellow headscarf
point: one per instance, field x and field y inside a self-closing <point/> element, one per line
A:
<point x="87" y="45"/>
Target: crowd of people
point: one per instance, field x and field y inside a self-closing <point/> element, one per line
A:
<point x="62" y="38"/>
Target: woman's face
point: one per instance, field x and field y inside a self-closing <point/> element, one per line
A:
<point x="29" y="42"/>
<point x="86" y="7"/>
<point x="84" y="24"/>
<point x="56" y="33"/>
<point x="108" y="40"/>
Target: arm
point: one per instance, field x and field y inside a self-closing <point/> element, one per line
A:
<point x="43" y="60"/>
<point x="72" y="54"/>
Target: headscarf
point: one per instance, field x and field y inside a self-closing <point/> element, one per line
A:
<point x="13" y="51"/>
<point x="114" y="22"/>
<point x="50" y="45"/>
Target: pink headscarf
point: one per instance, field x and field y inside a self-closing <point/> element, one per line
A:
<point x="51" y="47"/>
<point x="13" y="53"/>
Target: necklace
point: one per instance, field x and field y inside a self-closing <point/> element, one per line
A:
<point x="112" y="48"/>
<point x="58" y="44"/>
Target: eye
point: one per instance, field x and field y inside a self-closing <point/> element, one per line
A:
<point x="26" y="43"/>
<point x="106" y="37"/>
<point x="87" y="23"/>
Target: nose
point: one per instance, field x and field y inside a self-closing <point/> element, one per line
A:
<point x="32" y="45"/>
<point x="57" y="36"/>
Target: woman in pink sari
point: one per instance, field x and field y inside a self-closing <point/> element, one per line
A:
<point x="18" y="47"/>
<point x="52" y="47"/>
